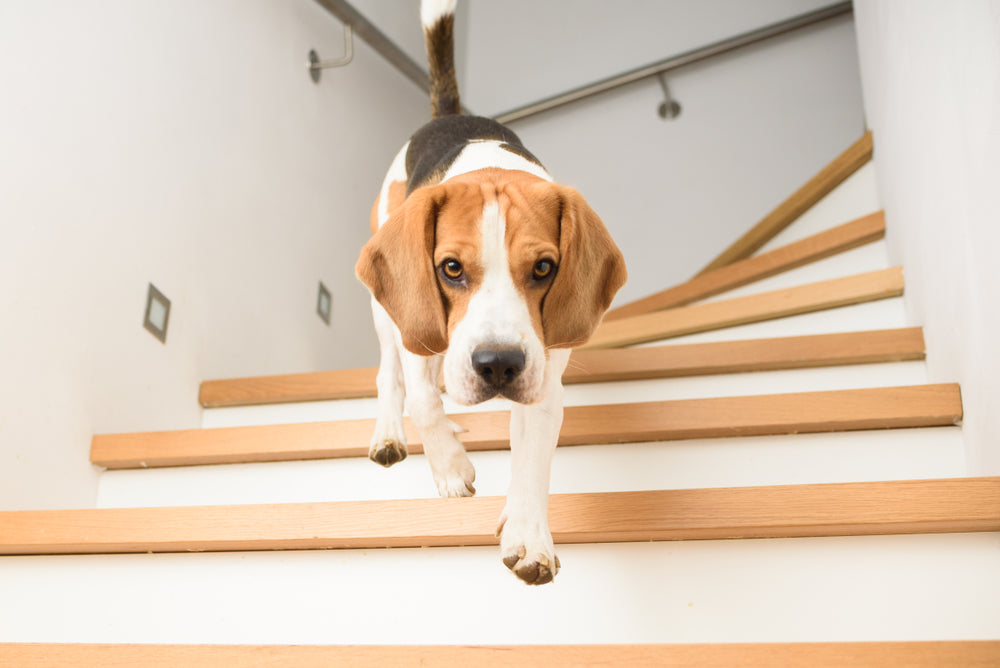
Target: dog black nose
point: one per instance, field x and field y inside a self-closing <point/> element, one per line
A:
<point x="498" y="366"/>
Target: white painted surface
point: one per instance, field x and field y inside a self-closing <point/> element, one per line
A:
<point x="863" y="588"/>
<point x="870" y="257"/>
<point x="179" y="143"/>
<point x="881" y="314"/>
<point x="754" y="127"/>
<point x="857" y="196"/>
<point x="931" y="74"/>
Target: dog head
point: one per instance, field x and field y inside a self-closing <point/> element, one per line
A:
<point x="491" y="269"/>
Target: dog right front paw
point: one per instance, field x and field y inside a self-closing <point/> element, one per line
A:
<point x="387" y="451"/>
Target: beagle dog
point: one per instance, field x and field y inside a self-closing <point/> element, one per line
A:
<point x="481" y="267"/>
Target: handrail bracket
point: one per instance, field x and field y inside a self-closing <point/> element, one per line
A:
<point x="316" y="66"/>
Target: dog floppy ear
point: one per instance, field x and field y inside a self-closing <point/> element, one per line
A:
<point x="397" y="266"/>
<point x="591" y="270"/>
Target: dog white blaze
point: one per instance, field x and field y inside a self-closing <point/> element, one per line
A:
<point x="496" y="316"/>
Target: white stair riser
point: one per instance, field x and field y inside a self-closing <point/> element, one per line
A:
<point x="855" y="197"/>
<point x="870" y="257"/>
<point x="881" y="314"/>
<point x="816" y="589"/>
<point x="659" y="389"/>
<point x="721" y="462"/>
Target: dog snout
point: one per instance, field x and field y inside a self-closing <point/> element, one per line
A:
<point x="498" y="366"/>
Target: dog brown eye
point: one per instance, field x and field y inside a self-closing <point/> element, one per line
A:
<point x="452" y="269"/>
<point x="542" y="269"/>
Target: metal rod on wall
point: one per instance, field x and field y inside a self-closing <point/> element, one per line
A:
<point x="680" y="60"/>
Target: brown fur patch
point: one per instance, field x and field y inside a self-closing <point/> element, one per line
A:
<point x="543" y="221"/>
<point x="440" y="42"/>
<point x="395" y="266"/>
<point x="459" y="237"/>
<point x="532" y="234"/>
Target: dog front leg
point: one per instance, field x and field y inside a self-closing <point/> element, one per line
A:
<point x="388" y="444"/>
<point x="450" y="465"/>
<point x="526" y="544"/>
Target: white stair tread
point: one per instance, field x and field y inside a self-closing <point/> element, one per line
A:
<point x="721" y="462"/>
<point x="941" y="587"/>
<point x="855" y="197"/>
<point x="691" y="387"/>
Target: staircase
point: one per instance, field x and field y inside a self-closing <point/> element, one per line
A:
<point x="779" y="398"/>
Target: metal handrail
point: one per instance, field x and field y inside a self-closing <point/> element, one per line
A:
<point x="674" y="62"/>
<point x="388" y="49"/>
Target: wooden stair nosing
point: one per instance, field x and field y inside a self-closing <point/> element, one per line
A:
<point x="805" y="412"/>
<point x="839" y="239"/>
<point x="286" y="388"/>
<point x="953" y="505"/>
<point x="682" y="320"/>
<point x="724" y="357"/>
<point x="913" y="654"/>
<point x="590" y="366"/>
<point x="815" y="189"/>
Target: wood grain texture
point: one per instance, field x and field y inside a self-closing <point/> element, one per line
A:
<point x="815" y="189"/>
<point x="787" y="352"/>
<point x="708" y="316"/>
<point x="954" y="654"/>
<point x="841" y="410"/>
<point x="840" y="509"/>
<point x="316" y="386"/>
<point x="588" y="366"/>
<point x="811" y="249"/>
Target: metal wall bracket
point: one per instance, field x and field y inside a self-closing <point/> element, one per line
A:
<point x="669" y="108"/>
<point x="316" y="66"/>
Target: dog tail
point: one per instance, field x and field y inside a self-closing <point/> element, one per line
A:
<point x="438" y="19"/>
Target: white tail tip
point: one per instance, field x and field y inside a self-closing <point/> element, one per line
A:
<point x="432" y="10"/>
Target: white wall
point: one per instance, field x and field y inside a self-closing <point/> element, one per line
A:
<point x="931" y="73"/>
<point x="180" y="143"/>
<point x="755" y="124"/>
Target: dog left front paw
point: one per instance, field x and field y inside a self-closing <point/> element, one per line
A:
<point x="532" y="559"/>
<point x="456" y="479"/>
